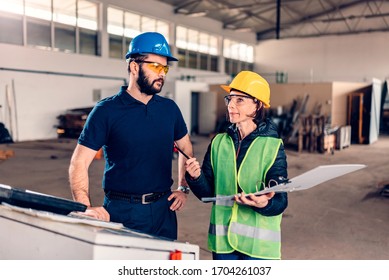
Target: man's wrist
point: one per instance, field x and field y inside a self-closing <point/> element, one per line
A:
<point x="184" y="189"/>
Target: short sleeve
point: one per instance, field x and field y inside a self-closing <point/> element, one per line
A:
<point x="94" y="133"/>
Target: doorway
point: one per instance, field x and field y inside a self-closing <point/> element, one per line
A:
<point x="195" y="101"/>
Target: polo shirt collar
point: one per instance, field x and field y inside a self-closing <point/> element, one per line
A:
<point x="127" y="99"/>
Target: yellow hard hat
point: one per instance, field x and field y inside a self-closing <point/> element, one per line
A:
<point x="252" y="84"/>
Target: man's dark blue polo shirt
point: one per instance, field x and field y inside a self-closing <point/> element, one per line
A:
<point x="137" y="140"/>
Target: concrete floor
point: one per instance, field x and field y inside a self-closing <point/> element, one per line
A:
<point x="343" y="219"/>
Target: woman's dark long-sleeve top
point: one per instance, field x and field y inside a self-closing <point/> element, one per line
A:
<point x="204" y="186"/>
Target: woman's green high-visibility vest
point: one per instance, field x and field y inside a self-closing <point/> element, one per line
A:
<point x="239" y="227"/>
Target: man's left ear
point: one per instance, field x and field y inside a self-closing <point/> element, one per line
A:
<point x="133" y="66"/>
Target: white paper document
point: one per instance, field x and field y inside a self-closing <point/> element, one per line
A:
<point x="304" y="181"/>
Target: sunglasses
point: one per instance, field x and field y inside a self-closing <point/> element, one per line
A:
<point x="155" y="66"/>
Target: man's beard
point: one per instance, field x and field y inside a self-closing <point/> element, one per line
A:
<point x="145" y="86"/>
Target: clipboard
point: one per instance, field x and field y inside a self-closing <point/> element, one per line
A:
<point x="307" y="180"/>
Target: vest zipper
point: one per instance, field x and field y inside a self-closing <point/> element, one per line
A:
<point x="237" y="153"/>
<point x="239" y="142"/>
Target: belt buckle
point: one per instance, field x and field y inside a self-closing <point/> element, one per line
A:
<point x="144" y="198"/>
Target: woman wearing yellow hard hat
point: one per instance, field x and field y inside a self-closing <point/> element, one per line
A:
<point x="247" y="158"/>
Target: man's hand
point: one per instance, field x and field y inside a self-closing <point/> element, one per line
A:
<point x="97" y="212"/>
<point x="179" y="200"/>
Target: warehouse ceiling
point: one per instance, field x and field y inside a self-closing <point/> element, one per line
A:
<point x="278" y="19"/>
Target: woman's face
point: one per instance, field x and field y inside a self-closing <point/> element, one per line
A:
<point x="241" y="107"/>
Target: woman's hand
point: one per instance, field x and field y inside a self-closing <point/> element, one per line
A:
<point x="192" y="166"/>
<point x="253" y="200"/>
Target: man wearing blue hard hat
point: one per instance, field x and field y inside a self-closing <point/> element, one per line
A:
<point x="137" y="129"/>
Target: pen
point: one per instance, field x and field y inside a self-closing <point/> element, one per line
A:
<point x="178" y="149"/>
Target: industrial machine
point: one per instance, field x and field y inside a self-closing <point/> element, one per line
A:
<point x="39" y="226"/>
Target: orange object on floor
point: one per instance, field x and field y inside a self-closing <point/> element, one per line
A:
<point x="6" y="154"/>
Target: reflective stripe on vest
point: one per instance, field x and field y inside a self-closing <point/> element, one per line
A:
<point x="238" y="227"/>
<point x="244" y="230"/>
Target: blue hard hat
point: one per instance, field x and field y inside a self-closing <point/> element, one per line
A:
<point x="150" y="42"/>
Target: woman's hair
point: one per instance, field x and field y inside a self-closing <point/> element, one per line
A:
<point x="259" y="114"/>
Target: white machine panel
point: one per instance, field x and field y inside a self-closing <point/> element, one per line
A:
<point x="33" y="234"/>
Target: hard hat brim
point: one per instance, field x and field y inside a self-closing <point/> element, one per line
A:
<point x="226" y="88"/>
<point x="169" y="58"/>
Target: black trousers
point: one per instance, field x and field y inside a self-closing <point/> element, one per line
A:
<point x="154" y="218"/>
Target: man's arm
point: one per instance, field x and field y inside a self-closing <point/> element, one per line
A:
<point x="79" y="181"/>
<point x="78" y="173"/>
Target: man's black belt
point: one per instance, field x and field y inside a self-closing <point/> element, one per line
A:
<point x="136" y="198"/>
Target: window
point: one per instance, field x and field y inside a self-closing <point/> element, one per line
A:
<point x="197" y="50"/>
<point x="115" y="46"/>
<point x="148" y="24"/>
<point x="38" y="23"/>
<point x="12" y="6"/>
<point x="11" y="29"/>
<point x="40" y="9"/>
<point x="181" y="58"/>
<point x="122" y="26"/>
<point x="38" y="33"/>
<point x="64" y="11"/>
<point x="132" y="25"/>
<point x="238" y="56"/>
<point x="87" y="15"/>
<point x="65" y="38"/>
<point x="89" y="43"/>
<point x="192" y="59"/>
<point x="61" y="25"/>
<point x="64" y="18"/>
<point x="115" y="28"/>
<point x="204" y="61"/>
<point x="214" y="63"/>
<point x="87" y="23"/>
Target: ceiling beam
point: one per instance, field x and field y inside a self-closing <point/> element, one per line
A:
<point x="278" y="23"/>
<point x="309" y="18"/>
<point x="186" y="8"/>
<point x="341" y="33"/>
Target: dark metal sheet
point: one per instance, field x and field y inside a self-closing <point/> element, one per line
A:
<point x="38" y="201"/>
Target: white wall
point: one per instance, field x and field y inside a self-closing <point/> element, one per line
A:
<point x="40" y="98"/>
<point x="352" y="58"/>
<point x="183" y="97"/>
